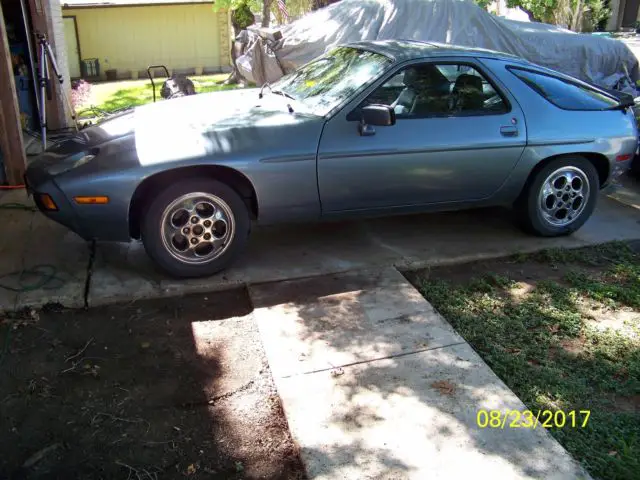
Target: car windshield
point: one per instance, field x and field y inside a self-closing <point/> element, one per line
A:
<point x="326" y="82"/>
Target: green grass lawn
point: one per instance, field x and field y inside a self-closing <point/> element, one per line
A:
<point x="112" y="96"/>
<point x="562" y="330"/>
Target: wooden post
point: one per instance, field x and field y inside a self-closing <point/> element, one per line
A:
<point x="14" y="158"/>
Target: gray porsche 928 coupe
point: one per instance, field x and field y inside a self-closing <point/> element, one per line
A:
<point x="372" y="128"/>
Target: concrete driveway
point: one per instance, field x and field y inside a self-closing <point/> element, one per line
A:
<point x="372" y="380"/>
<point x="123" y="271"/>
<point x="376" y="384"/>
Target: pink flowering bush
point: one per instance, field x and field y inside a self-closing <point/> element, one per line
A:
<point x="80" y="93"/>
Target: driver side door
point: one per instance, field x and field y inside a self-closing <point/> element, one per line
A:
<point x="431" y="155"/>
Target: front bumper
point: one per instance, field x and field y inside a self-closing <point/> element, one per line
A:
<point x="38" y="184"/>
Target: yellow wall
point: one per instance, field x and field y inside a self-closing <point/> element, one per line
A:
<point x="132" y="38"/>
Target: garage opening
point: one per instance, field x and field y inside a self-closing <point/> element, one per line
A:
<point x="20" y="102"/>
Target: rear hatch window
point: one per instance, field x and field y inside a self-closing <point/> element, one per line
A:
<point x="566" y="94"/>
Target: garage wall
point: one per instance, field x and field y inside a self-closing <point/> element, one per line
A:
<point x="131" y="38"/>
<point x="56" y="38"/>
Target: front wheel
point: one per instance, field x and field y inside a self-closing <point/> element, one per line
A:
<point x="560" y="198"/>
<point x="195" y="228"/>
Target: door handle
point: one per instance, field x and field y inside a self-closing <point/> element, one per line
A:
<point x="509" y="131"/>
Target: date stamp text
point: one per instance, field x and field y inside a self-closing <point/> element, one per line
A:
<point x="532" y="419"/>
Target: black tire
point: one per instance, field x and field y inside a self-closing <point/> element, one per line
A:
<point x="530" y="215"/>
<point x="152" y="235"/>
<point x="634" y="170"/>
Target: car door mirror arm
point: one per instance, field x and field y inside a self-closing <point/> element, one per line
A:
<point x="365" y="129"/>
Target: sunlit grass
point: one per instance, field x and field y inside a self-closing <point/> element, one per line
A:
<point x="539" y="335"/>
<point x="112" y="96"/>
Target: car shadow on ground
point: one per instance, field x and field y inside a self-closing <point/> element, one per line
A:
<point x="155" y="389"/>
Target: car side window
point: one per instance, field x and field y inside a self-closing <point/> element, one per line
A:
<point x="433" y="90"/>
<point x="562" y="93"/>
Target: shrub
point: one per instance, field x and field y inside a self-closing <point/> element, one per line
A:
<point x="80" y="93"/>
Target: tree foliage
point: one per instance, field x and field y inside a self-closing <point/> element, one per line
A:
<point x="254" y="5"/>
<point x="296" y="8"/>
<point x="538" y="10"/>
<point x="484" y="3"/>
<point x="242" y="17"/>
<point x="577" y="15"/>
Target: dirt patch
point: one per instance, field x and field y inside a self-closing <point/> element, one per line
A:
<point x="622" y="321"/>
<point x="573" y="346"/>
<point x="524" y="272"/>
<point x="170" y="388"/>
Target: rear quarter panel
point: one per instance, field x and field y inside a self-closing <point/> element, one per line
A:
<point x="553" y="131"/>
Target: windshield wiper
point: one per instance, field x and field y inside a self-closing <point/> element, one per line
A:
<point x="284" y="94"/>
<point x="276" y="92"/>
<point x="265" y="84"/>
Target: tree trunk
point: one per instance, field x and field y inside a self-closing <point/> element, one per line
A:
<point x="576" y="21"/>
<point x="266" y="12"/>
<point x="234" y="77"/>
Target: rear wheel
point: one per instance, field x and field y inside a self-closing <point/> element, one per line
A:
<point x="560" y="198"/>
<point x="195" y="228"/>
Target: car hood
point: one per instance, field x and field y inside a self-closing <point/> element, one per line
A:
<point x="224" y="126"/>
<point x="201" y="125"/>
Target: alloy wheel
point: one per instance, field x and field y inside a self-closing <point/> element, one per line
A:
<point x="563" y="196"/>
<point x="197" y="227"/>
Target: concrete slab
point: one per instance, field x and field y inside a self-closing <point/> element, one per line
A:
<point x="274" y="253"/>
<point x="358" y="361"/>
<point x="33" y="241"/>
<point x="15" y="225"/>
<point x="323" y="322"/>
<point x="123" y="271"/>
<point x="296" y="251"/>
<point x="385" y="419"/>
<point x="53" y="249"/>
<point x="627" y="192"/>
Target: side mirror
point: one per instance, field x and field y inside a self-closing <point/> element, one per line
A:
<point x="378" y="115"/>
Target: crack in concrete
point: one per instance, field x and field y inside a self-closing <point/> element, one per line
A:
<point x="87" y="282"/>
<point x="360" y="362"/>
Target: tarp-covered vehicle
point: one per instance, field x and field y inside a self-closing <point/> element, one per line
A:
<point x="602" y="61"/>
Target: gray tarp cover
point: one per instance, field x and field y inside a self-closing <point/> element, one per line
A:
<point x="599" y="60"/>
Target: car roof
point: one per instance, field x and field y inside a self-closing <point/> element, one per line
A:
<point x="402" y="50"/>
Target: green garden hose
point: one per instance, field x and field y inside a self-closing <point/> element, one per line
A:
<point x="34" y="278"/>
